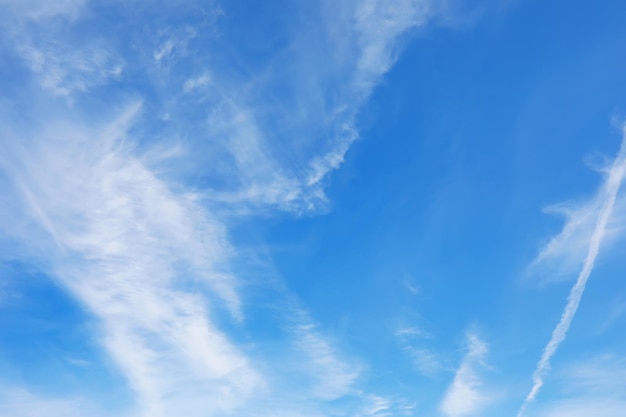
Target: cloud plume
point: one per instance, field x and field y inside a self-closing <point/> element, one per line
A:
<point x="466" y="395"/>
<point x="605" y="200"/>
<point x="121" y="176"/>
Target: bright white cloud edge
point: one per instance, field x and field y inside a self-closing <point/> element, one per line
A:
<point x="118" y="233"/>
<point x="604" y="203"/>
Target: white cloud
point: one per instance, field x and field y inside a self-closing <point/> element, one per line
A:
<point x="380" y="25"/>
<point x="65" y="70"/>
<point x="595" y="387"/>
<point x="173" y="43"/>
<point x="153" y="266"/>
<point x="412" y="332"/>
<point x="18" y="402"/>
<point x="565" y="253"/>
<point x="150" y="258"/>
<point x="333" y="376"/>
<point x="42" y="9"/>
<point x="60" y="63"/>
<point x="130" y="250"/>
<point x="164" y="50"/>
<point x="467" y="395"/>
<point x="429" y="362"/>
<point x="605" y="407"/>
<point x="603" y="204"/>
<point x="283" y="148"/>
<point x="378" y="406"/>
<point x="378" y="32"/>
<point x="617" y="310"/>
<point x="197" y="83"/>
<point x="381" y="406"/>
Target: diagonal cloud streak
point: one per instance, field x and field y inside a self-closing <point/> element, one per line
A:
<point x="466" y="395"/>
<point x="122" y="209"/>
<point x="140" y="258"/>
<point x="607" y="197"/>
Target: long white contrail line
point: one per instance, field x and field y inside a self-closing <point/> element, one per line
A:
<point x="608" y="194"/>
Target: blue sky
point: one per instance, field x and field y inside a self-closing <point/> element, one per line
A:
<point x="312" y="208"/>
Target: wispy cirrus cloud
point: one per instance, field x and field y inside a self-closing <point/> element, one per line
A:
<point x="377" y="406"/>
<point x="56" y="61"/>
<point x="284" y="148"/>
<point x="64" y="70"/>
<point x="332" y="377"/>
<point x="595" y="386"/>
<point x="378" y="32"/>
<point x="602" y="206"/>
<point x="428" y="361"/>
<point x="17" y="402"/>
<point x="564" y="254"/>
<point x="41" y="9"/>
<point x="467" y="395"/>
<point x="128" y="209"/>
<point x="131" y="251"/>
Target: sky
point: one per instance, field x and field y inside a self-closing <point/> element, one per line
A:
<point x="312" y="208"/>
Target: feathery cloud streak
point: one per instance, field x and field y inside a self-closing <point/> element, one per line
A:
<point x="130" y="250"/>
<point x="595" y="386"/>
<point x="606" y="198"/>
<point x="466" y="395"/>
<point x="379" y="27"/>
<point x="110" y="212"/>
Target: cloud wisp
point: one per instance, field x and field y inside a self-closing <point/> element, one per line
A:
<point x="13" y="401"/>
<point x="139" y="257"/>
<point x="379" y="27"/>
<point x="148" y="255"/>
<point x="605" y="199"/>
<point x="596" y="386"/>
<point x="466" y="395"/>
<point x="283" y="149"/>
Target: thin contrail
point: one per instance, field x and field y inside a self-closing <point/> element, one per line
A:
<point x="607" y="199"/>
